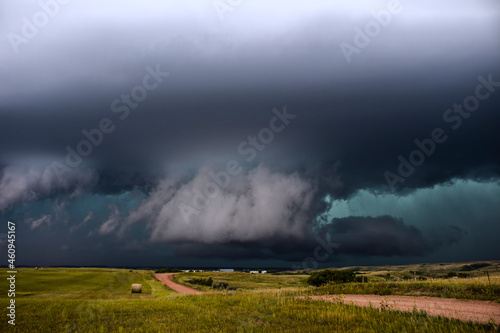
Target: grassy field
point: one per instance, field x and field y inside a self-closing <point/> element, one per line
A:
<point x="476" y="289"/>
<point x="84" y="283"/>
<point x="394" y="273"/>
<point x="441" y="288"/>
<point x="245" y="281"/>
<point x="385" y="281"/>
<point x="244" y="312"/>
<point x="99" y="300"/>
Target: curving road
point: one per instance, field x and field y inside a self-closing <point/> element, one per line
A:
<point x="166" y="278"/>
<point x="466" y="310"/>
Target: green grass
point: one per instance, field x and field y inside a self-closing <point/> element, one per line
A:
<point x="99" y="300"/>
<point x="393" y="273"/>
<point x="244" y="312"/>
<point x="84" y="283"/>
<point x="443" y="289"/>
<point x="245" y="281"/>
<point x="470" y="288"/>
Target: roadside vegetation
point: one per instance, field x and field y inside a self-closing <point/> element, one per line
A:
<point x="452" y="285"/>
<point x="326" y="276"/>
<point x="461" y="289"/>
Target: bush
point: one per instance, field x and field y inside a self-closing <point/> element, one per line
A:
<point x="460" y="275"/>
<point x="220" y="285"/>
<point x="471" y="267"/>
<point x="362" y="279"/>
<point x="201" y="281"/>
<point x="322" y="277"/>
<point x="223" y="286"/>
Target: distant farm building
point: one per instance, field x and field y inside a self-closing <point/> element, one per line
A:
<point x="226" y="270"/>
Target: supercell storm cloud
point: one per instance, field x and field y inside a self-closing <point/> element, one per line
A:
<point x="250" y="133"/>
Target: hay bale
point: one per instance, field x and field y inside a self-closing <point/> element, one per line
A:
<point x="136" y="288"/>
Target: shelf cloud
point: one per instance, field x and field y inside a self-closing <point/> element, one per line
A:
<point x="214" y="132"/>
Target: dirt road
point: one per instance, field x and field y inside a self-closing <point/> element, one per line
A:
<point x="166" y="278"/>
<point x="476" y="311"/>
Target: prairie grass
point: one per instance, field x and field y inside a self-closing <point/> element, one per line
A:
<point x="99" y="300"/>
<point x="83" y="283"/>
<point x="476" y="289"/>
<point x="245" y="281"/>
<point x="242" y="312"/>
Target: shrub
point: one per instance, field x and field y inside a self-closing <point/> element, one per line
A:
<point x="201" y="281"/>
<point x="325" y="276"/>
<point x="471" y="267"/>
<point x="460" y="275"/>
<point x="362" y="279"/>
<point x="220" y="285"/>
<point x="223" y="286"/>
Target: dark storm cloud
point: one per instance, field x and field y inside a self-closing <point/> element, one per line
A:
<point x="376" y="236"/>
<point x="278" y="249"/>
<point x="360" y="236"/>
<point x="384" y="236"/>
<point x="353" y="120"/>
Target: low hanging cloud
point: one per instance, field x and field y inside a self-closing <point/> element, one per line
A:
<point x="255" y="205"/>
<point x="87" y="218"/>
<point x="112" y="221"/>
<point x="35" y="223"/>
<point x="58" y="214"/>
<point x="288" y="249"/>
<point x="20" y="184"/>
<point x="384" y="236"/>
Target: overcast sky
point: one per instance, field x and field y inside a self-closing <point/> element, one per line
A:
<point x="285" y="133"/>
